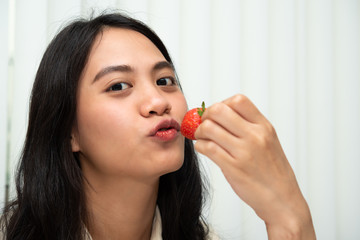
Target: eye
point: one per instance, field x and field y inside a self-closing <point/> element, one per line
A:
<point x="118" y="87"/>
<point x="166" y="81"/>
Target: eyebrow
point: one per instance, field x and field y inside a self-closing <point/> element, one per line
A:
<point x="126" y="68"/>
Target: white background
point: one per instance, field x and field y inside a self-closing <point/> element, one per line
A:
<point x="298" y="60"/>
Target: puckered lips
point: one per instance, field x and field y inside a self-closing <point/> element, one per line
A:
<point x="166" y="130"/>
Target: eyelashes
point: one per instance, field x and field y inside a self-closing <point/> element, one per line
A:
<point x="118" y="87"/>
<point x="166" y="81"/>
<point x="163" y="82"/>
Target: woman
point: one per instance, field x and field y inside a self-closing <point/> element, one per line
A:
<point x="103" y="157"/>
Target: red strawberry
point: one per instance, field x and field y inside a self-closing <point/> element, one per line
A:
<point x="191" y="121"/>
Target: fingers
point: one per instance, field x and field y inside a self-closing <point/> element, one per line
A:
<point x="230" y="128"/>
<point x="226" y="117"/>
<point x="245" y="108"/>
<point x="215" y="133"/>
<point x="212" y="150"/>
<point x="237" y="114"/>
<point x="243" y="143"/>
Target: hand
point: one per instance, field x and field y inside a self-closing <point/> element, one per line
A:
<point x="243" y="143"/>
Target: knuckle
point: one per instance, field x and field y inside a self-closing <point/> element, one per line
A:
<point x="206" y="126"/>
<point x="239" y="99"/>
<point x="264" y="139"/>
<point x="211" y="148"/>
<point x="216" y="108"/>
<point x="269" y="130"/>
<point x="264" y="135"/>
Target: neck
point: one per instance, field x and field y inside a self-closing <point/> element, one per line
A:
<point x="121" y="209"/>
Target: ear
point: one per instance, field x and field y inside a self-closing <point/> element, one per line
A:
<point x="75" y="145"/>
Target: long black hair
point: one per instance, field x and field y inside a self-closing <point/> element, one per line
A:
<point x="50" y="202"/>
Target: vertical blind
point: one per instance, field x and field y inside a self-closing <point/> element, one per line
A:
<point x="297" y="60"/>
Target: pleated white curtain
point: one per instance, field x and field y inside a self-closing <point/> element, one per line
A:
<point x="298" y="60"/>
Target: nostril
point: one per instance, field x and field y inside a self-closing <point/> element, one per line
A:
<point x="155" y="110"/>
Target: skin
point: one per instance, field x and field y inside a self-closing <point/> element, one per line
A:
<point x="115" y="116"/>
<point x="243" y="143"/>
<point x="122" y="164"/>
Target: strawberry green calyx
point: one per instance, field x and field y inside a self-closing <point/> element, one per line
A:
<point x="202" y="109"/>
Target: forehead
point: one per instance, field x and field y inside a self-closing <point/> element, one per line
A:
<point x="118" y="43"/>
<point x="118" y="46"/>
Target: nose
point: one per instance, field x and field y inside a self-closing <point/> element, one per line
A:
<point x="154" y="102"/>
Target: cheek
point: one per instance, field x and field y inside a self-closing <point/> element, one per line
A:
<point x="105" y="137"/>
<point x="180" y="105"/>
<point x="101" y="123"/>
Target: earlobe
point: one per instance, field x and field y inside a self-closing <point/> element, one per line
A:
<point x="75" y="146"/>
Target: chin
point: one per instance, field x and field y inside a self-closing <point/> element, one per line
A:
<point x="171" y="164"/>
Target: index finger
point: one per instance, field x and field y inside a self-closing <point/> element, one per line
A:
<point x="245" y="108"/>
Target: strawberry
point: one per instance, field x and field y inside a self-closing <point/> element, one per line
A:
<point x="191" y="121"/>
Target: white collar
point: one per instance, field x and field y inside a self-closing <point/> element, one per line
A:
<point x="156" y="233"/>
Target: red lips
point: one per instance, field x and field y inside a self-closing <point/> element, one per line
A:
<point x="166" y="130"/>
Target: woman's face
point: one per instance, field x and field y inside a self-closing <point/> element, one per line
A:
<point x="129" y="108"/>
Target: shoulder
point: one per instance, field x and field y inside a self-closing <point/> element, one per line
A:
<point x="212" y="235"/>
